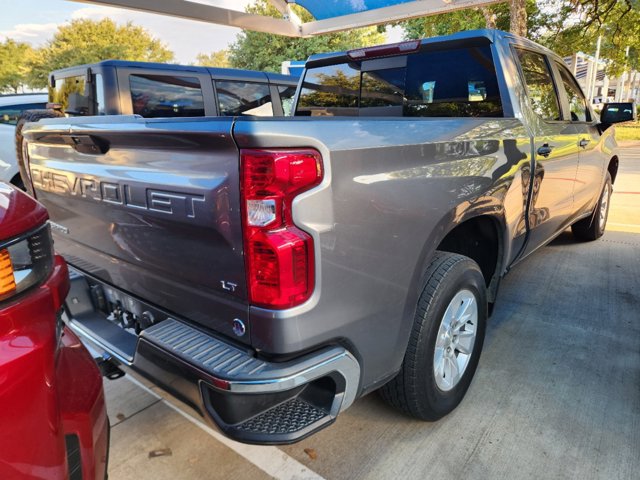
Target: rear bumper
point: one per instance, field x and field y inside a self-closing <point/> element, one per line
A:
<point x="249" y="399"/>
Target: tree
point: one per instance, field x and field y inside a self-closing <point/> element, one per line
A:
<point x="518" y="17"/>
<point x="579" y="23"/>
<point x="264" y="51"/>
<point x="88" y="41"/>
<point x="14" y="57"/>
<point x="214" y="59"/>
<point x="522" y="17"/>
<point x="565" y="26"/>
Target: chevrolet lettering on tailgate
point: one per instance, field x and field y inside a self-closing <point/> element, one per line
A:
<point x="130" y="196"/>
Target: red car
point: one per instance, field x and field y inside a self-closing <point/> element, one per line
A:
<point x="53" y="420"/>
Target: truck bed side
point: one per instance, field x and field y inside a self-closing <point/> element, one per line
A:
<point x="394" y="186"/>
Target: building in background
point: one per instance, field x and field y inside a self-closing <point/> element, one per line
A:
<point x="600" y="87"/>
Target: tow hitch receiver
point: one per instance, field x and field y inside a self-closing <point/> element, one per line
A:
<point x="109" y="369"/>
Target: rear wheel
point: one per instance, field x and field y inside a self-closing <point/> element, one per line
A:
<point x="592" y="227"/>
<point x="28" y="116"/>
<point x="446" y="340"/>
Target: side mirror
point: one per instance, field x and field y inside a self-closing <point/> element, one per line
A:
<point x="617" y="113"/>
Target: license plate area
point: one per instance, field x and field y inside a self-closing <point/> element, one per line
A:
<point x="107" y="317"/>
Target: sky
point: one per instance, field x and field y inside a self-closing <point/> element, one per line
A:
<point x="35" y="22"/>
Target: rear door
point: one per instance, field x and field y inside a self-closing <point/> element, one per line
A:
<point x="592" y="159"/>
<point x="555" y="149"/>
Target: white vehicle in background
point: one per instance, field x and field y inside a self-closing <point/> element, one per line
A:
<point x="11" y="107"/>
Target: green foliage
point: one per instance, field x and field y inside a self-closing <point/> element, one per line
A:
<point x="214" y="59"/>
<point x="565" y="26"/>
<point x="264" y="51"/>
<point x="476" y="18"/>
<point x="446" y="23"/>
<point x="627" y="131"/>
<point x="577" y="28"/>
<point x="14" y="57"/>
<point x="87" y="41"/>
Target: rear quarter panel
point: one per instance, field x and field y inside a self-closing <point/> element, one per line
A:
<point x="392" y="190"/>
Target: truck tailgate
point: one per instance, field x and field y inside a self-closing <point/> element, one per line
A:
<point x="148" y="206"/>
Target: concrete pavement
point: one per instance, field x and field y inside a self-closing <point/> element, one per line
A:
<point x="556" y="394"/>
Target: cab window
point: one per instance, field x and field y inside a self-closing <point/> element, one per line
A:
<point x="161" y="96"/>
<point x="539" y="83"/>
<point x="287" y="93"/>
<point x="577" y="102"/>
<point x="456" y="82"/>
<point x="77" y="97"/>
<point x="244" y="98"/>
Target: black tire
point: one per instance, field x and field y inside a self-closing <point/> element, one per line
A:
<point x="593" y="227"/>
<point x="29" y="116"/>
<point x="415" y="390"/>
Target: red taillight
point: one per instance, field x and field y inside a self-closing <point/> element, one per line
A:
<point x="278" y="255"/>
<point x="385" y="50"/>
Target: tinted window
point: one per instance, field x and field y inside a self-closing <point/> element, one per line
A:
<point x="538" y="79"/>
<point x="286" y="97"/>
<point x="577" y="102"/>
<point x="77" y="98"/>
<point x="244" y="98"/>
<point x="9" y="115"/>
<point x="332" y="90"/>
<point x="382" y="92"/>
<point x="446" y="83"/>
<point x="99" y="95"/>
<point x="155" y="96"/>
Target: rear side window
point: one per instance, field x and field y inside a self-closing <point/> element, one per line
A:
<point x="539" y="82"/>
<point x="287" y="93"/>
<point x="76" y="97"/>
<point x="157" y="96"/>
<point x="244" y="98"/>
<point x="457" y="82"/>
<point x="9" y="115"/>
<point x="101" y="104"/>
<point x="577" y="102"/>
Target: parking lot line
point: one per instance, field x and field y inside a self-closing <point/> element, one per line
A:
<point x="270" y="460"/>
<point x="624" y="224"/>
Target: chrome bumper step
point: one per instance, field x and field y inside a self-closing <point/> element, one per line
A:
<point x="248" y="398"/>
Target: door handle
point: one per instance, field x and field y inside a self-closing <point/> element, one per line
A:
<point x="545" y="150"/>
<point x="584" y="142"/>
<point x="89" y="144"/>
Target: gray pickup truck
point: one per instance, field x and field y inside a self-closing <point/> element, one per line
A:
<point x="270" y="271"/>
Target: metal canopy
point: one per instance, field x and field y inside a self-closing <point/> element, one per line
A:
<point x="331" y="15"/>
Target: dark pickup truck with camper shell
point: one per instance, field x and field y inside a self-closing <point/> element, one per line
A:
<point x="152" y="90"/>
<point x="270" y="271"/>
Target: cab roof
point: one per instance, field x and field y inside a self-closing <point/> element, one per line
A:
<point x="458" y="39"/>
<point x="213" y="71"/>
